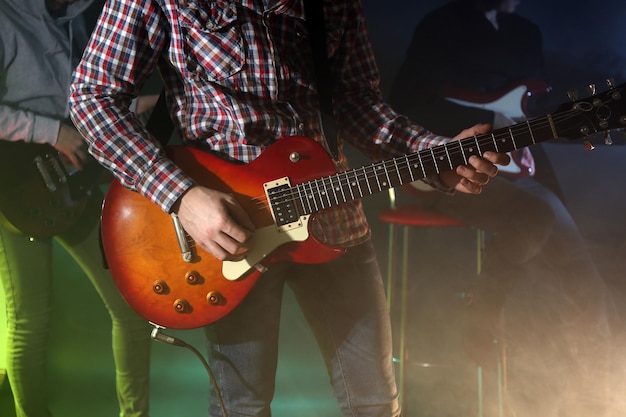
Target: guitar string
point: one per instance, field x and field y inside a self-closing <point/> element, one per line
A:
<point x="402" y="162"/>
<point x="366" y="173"/>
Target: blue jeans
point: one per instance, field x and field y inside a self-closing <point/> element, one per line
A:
<point x="344" y="304"/>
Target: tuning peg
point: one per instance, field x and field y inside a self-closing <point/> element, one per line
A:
<point x="610" y="82"/>
<point x="608" y="140"/>
<point x="588" y="145"/>
<point x="592" y="89"/>
<point x="572" y="94"/>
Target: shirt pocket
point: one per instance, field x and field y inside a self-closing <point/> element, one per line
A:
<point x="213" y="44"/>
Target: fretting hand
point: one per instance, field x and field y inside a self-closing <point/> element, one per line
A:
<point x="472" y="177"/>
<point x="72" y="146"/>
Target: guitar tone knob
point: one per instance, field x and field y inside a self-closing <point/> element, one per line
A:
<point x="182" y="306"/>
<point x="192" y="277"/>
<point x="160" y="287"/>
<point x="215" y="298"/>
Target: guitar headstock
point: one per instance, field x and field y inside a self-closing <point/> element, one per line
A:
<point x="598" y="113"/>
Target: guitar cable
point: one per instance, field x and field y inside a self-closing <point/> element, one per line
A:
<point x="158" y="335"/>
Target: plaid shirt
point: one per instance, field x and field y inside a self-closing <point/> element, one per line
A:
<point x="239" y="77"/>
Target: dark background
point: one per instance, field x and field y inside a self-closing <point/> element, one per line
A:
<point x="584" y="43"/>
<point x="583" y="39"/>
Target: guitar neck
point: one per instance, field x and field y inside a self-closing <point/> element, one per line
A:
<point x="322" y="193"/>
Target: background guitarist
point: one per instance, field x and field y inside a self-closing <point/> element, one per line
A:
<point x="239" y="76"/>
<point x="40" y="43"/>
<point x="535" y="256"/>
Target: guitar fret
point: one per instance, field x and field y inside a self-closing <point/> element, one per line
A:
<point x="324" y="193"/>
<point x="512" y="138"/>
<point x="347" y="183"/>
<point x="421" y="164"/>
<point x="495" y="142"/>
<point x="434" y="159"/>
<point x="358" y="184"/>
<point x="335" y="187"/>
<point x="367" y="181"/>
<point x="406" y="160"/>
<point x="375" y="167"/>
<point x="480" y="153"/>
<point x="456" y="157"/>
<point x="405" y="170"/>
<point x="311" y="198"/>
<point x="301" y="200"/>
<point x="329" y="190"/>
<point x="393" y="173"/>
<point x="448" y="155"/>
<point x="306" y="208"/>
<point x="463" y="153"/>
<point x="340" y="187"/>
<point x="387" y="182"/>
<point x="530" y="130"/>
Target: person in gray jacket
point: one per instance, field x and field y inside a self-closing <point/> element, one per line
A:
<point x="40" y="43"/>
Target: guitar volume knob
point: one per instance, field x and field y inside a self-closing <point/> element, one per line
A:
<point x="160" y="287"/>
<point x="182" y="306"/>
<point x="192" y="277"/>
<point x="215" y="298"/>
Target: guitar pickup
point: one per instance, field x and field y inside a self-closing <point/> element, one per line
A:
<point x="282" y="204"/>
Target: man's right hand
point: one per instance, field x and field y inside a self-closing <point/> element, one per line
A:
<point x="216" y="221"/>
<point x="72" y="145"/>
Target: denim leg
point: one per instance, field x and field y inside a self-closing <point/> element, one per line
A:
<point x="28" y="304"/>
<point x="344" y="303"/>
<point x="243" y="349"/>
<point x="130" y="335"/>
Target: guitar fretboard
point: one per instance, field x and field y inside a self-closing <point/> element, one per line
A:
<point x="322" y="193"/>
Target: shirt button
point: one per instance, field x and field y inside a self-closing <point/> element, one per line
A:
<point x="301" y="127"/>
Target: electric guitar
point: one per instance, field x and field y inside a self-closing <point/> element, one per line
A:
<point x="172" y="283"/>
<point x="512" y="102"/>
<point x="40" y="195"/>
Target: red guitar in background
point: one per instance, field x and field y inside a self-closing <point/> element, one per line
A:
<point x="512" y="103"/>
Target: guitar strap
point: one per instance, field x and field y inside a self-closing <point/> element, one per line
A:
<point x="314" y="12"/>
<point x="160" y="123"/>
